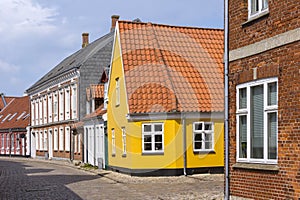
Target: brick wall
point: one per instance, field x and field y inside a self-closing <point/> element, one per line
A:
<point x="283" y="16"/>
<point x="282" y="62"/>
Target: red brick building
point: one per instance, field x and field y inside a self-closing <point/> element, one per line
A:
<point x="264" y="99"/>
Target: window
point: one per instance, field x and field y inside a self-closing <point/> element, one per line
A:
<point x="45" y="140"/>
<point x="113" y="142"/>
<point x="2" y="141"/>
<point x="67" y="100"/>
<point x="257" y="7"/>
<point x="7" y="141"/>
<point x="153" y="137"/>
<point x="12" y="141"/>
<point x="32" y="113"/>
<point x="67" y="139"/>
<point x="55" y="107"/>
<point x="55" y="140"/>
<point x="124" y="141"/>
<point x="37" y="141"/>
<point x="257" y="121"/>
<point x="74" y="102"/>
<point x="50" y="108"/>
<point x="41" y="141"/>
<point x="117" y="91"/>
<point x="61" y="105"/>
<point x="41" y="111"/>
<point x="203" y="136"/>
<point x="36" y="112"/>
<point x="61" y="139"/>
<point x="45" y="109"/>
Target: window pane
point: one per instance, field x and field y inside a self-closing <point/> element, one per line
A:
<point x="243" y="136"/>
<point x="158" y="146"/>
<point x="208" y="126"/>
<point x="147" y="138"/>
<point x="254" y="6"/>
<point x="147" y="146"/>
<point x="243" y="98"/>
<point x="208" y="137"/>
<point x="198" y="137"/>
<point x="158" y="138"/>
<point x="272" y="93"/>
<point x="198" y="145"/>
<point x="265" y="4"/>
<point x="198" y="126"/>
<point x="272" y="135"/>
<point x="257" y="121"/>
<point x="147" y="128"/>
<point x="208" y="145"/>
<point x="157" y="127"/>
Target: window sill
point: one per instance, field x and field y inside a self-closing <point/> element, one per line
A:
<point x="205" y="152"/>
<point x="152" y="153"/>
<point x="256" y="166"/>
<point x="256" y="17"/>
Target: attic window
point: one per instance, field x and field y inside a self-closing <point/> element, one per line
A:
<point x="21" y="115"/>
<point x="72" y="62"/>
<point x="12" y="116"/>
<point x="26" y="116"/>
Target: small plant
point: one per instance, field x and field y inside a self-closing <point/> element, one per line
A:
<point x="89" y="166"/>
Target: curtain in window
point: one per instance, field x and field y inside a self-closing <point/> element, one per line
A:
<point x="257" y="121"/>
<point x="243" y="136"/>
<point x="272" y="135"/>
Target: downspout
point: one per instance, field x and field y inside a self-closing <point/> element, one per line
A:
<point x="184" y="143"/>
<point x="226" y="66"/>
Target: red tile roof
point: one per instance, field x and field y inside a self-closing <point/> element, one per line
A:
<point x="98" y="112"/>
<point x="171" y="68"/>
<point x="95" y="91"/>
<point x="15" y="114"/>
<point x="7" y="99"/>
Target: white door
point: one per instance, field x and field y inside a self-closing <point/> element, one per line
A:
<point x="50" y="148"/>
<point x="33" y="144"/>
<point x="100" y="146"/>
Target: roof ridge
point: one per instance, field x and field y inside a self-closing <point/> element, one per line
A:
<point x="169" y="25"/>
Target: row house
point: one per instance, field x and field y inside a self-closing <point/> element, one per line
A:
<point x="165" y="100"/>
<point x="58" y="99"/>
<point x="264" y="99"/>
<point x="14" y="127"/>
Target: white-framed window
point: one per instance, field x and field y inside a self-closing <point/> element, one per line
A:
<point x="33" y="113"/>
<point x="257" y="121"/>
<point x="113" y="142"/>
<point x="256" y="7"/>
<point x="55" y="107"/>
<point x="41" y="140"/>
<point x="55" y="140"/>
<point x="203" y="136"/>
<point x="7" y="140"/>
<point x="153" y="138"/>
<point x="45" y="109"/>
<point x="67" y="139"/>
<point x="36" y="112"/>
<point x="67" y="103"/>
<point x="61" y="105"/>
<point x="45" y="140"/>
<point x="61" y="139"/>
<point x="2" y="141"/>
<point x="41" y="111"/>
<point x="18" y="141"/>
<point x="74" y="102"/>
<point x="50" y="102"/>
<point x="117" y="91"/>
<point x="124" y="140"/>
<point x="12" y="141"/>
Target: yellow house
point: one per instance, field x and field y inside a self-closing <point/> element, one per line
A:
<point x="165" y="100"/>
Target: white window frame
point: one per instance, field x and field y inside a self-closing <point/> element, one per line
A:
<point x="2" y="141"/>
<point x="36" y="112"/>
<point x="67" y="139"/>
<point x="113" y="142"/>
<point x="45" y="109"/>
<point x="50" y="103"/>
<point x="152" y="133"/>
<point x="261" y="9"/>
<point x="61" y="104"/>
<point x="55" y="139"/>
<point x="55" y="107"/>
<point x="33" y="112"/>
<point x="124" y="141"/>
<point x="45" y="140"/>
<point x="74" y="102"/>
<point x="40" y="111"/>
<point x="61" y="139"/>
<point x="203" y="133"/>
<point x="67" y="103"/>
<point x="41" y="140"/>
<point x="247" y="112"/>
<point x="117" y="91"/>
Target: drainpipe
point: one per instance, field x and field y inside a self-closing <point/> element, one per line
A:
<point x="184" y="143"/>
<point x="226" y="65"/>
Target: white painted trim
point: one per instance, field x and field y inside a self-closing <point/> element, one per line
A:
<point x="265" y="45"/>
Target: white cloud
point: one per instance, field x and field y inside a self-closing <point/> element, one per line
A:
<point x="19" y="17"/>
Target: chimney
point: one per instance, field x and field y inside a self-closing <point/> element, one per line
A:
<point x="114" y="19"/>
<point x="3" y="99"/>
<point x="85" y="39"/>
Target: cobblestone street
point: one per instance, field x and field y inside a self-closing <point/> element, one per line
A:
<point x="38" y="179"/>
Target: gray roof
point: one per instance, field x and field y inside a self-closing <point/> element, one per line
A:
<point x="76" y="60"/>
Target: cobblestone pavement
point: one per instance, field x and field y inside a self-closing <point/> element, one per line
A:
<point x="22" y="178"/>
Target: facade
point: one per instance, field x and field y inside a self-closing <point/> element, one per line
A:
<point x="14" y="127"/>
<point x="165" y="100"/>
<point x="264" y="82"/>
<point x="94" y="127"/>
<point x="58" y="99"/>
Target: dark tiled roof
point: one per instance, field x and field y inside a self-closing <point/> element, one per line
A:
<point x="172" y="68"/>
<point x="76" y="60"/>
<point x="15" y="114"/>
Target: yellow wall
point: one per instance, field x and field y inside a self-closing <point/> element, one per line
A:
<point x="173" y="145"/>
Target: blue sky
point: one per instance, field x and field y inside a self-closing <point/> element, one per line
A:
<point x="35" y="35"/>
